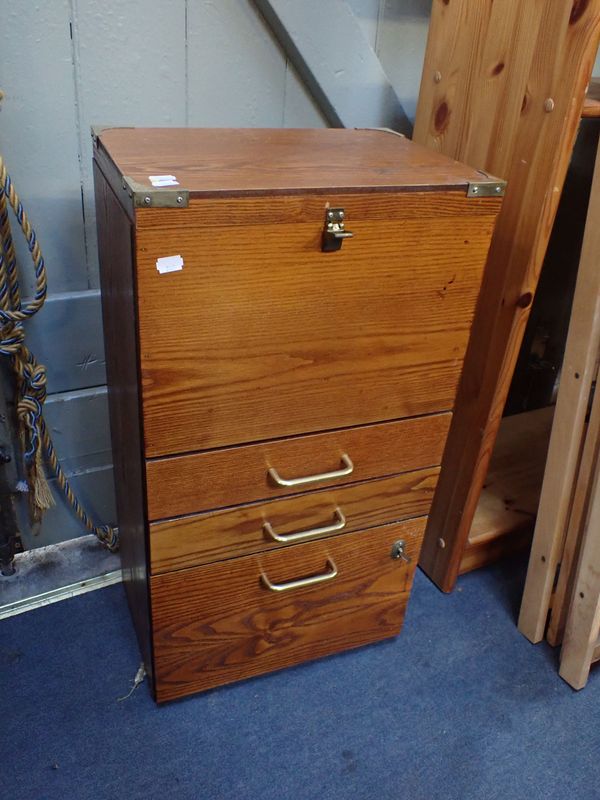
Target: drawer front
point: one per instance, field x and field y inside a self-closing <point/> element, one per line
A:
<point x="242" y="530"/>
<point x="221" y="623"/>
<point x="261" y="335"/>
<point x="201" y="481"/>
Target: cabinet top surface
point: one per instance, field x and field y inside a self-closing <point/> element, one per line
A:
<point x="260" y="160"/>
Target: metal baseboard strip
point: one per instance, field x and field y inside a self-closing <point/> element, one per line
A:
<point x="61" y="593"/>
<point x="56" y="572"/>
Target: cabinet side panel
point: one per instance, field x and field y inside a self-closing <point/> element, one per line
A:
<point x="115" y="244"/>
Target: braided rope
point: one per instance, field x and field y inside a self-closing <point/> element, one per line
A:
<point x="31" y="376"/>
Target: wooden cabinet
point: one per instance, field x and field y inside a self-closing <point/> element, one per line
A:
<point x="286" y="315"/>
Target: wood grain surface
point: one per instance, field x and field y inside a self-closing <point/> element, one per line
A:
<point x="505" y="516"/>
<point x="503" y="87"/>
<point x="179" y="485"/>
<point x="219" y="623"/>
<point x="511" y="494"/>
<point x="261" y="335"/>
<point x="209" y="161"/>
<point x="591" y="106"/>
<point x="239" y="531"/>
<point x="580" y="368"/>
<point x="115" y="245"/>
<point x="580" y="506"/>
<point x="582" y="629"/>
<point x="234" y="212"/>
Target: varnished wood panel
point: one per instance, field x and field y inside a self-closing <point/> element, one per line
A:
<point x="231" y="212"/>
<point x="239" y="531"/>
<point x="261" y="335"/>
<point x="591" y="106"/>
<point x="510" y="497"/>
<point x="209" y="161"/>
<point x="481" y="552"/>
<point x="219" y="623"/>
<point x="115" y="244"/>
<point x="179" y="485"/>
<point x="503" y="87"/>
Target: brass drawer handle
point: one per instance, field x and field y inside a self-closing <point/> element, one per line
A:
<point x="302" y="582"/>
<point x="338" y="525"/>
<point x="347" y="469"/>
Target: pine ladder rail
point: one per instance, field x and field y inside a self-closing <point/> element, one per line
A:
<point x="581" y="646"/>
<point x="565" y="450"/>
<point x="502" y="89"/>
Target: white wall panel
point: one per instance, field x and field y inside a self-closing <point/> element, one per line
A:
<point x="401" y="45"/>
<point x="367" y="13"/>
<point x="236" y="70"/>
<point x="130" y="67"/>
<point x="300" y="110"/>
<point x="38" y="136"/>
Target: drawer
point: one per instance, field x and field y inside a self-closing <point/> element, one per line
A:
<point x="261" y="335"/>
<point x="221" y="622"/>
<point x="201" y="481"/>
<point x="265" y="526"/>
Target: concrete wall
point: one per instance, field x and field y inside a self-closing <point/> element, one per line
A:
<point x="67" y="64"/>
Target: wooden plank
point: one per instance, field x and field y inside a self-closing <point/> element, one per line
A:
<point x="273" y="161"/>
<point x="327" y="46"/>
<point x="503" y="86"/>
<point x="579" y="368"/>
<point x="537" y="371"/>
<point x="504" y="544"/>
<point x="583" y="622"/>
<point x="116" y="243"/>
<point x="580" y="503"/>
<point x="509" y="500"/>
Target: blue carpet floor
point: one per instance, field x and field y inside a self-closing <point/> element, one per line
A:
<point x="460" y="707"/>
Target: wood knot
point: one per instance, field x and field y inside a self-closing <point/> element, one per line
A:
<point x="442" y="117"/>
<point x="525" y="300"/>
<point x="578" y="10"/>
<point x="498" y="68"/>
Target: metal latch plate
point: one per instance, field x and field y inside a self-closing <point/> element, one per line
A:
<point x="335" y="231"/>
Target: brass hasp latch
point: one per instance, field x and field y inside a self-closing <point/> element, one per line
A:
<point x="334" y="232"/>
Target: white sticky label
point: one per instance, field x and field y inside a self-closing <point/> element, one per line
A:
<point x="163" y="180"/>
<point x="169" y="264"/>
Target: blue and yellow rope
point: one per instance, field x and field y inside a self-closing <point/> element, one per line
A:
<point x="31" y="376"/>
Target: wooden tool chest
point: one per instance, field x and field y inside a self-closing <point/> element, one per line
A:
<point x="285" y="314"/>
